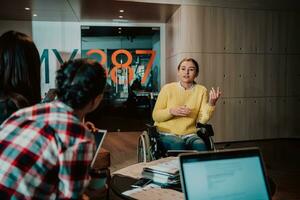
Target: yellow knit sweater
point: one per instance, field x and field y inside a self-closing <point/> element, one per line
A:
<point x="174" y="95"/>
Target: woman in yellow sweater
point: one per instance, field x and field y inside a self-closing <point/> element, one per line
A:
<point x="180" y="105"/>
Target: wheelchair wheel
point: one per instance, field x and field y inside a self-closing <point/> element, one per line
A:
<point x="140" y="151"/>
<point x="142" y="147"/>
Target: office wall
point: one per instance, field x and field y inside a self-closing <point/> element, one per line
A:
<point x="253" y="55"/>
<point x="63" y="37"/>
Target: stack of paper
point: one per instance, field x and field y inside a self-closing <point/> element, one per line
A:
<point x="166" y="172"/>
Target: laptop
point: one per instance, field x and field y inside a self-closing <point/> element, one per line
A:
<point x="99" y="138"/>
<point x="228" y="175"/>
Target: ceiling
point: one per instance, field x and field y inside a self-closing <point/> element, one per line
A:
<point x="86" y="10"/>
<point x="134" y="10"/>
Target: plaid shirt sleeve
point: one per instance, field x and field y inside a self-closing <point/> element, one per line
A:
<point x="73" y="172"/>
<point x="45" y="153"/>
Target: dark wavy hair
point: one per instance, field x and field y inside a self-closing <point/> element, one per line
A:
<point x="79" y="81"/>
<point x="190" y="60"/>
<point x="20" y="68"/>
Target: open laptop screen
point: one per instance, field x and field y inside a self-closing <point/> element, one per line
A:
<point x="99" y="138"/>
<point x="224" y="175"/>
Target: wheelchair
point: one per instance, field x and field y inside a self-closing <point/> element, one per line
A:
<point x="149" y="147"/>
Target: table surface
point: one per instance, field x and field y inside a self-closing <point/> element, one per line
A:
<point x="123" y="179"/>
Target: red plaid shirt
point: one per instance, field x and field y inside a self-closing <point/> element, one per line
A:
<point x="45" y="153"/>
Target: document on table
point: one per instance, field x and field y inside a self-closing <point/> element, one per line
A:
<point x="154" y="192"/>
<point x="133" y="171"/>
<point x="167" y="167"/>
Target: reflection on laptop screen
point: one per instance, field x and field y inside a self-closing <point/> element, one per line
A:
<point x="226" y="178"/>
<point x="99" y="138"/>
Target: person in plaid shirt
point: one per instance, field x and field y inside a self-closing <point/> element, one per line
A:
<point x="45" y="150"/>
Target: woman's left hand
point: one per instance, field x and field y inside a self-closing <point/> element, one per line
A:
<point x="214" y="96"/>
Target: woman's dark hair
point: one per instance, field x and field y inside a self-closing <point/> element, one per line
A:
<point x="79" y="81"/>
<point x="19" y="68"/>
<point x="190" y="60"/>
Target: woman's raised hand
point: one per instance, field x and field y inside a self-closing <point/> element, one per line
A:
<point x="214" y="96"/>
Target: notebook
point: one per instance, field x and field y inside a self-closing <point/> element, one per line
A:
<point x="99" y="138"/>
<point x="227" y="175"/>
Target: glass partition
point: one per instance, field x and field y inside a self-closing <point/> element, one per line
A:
<point x="131" y="58"/>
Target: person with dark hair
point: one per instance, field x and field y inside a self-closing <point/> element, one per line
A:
<point x="46" y="150"/>
<point x="19" y="73"/>
<point x="180" y="105"/>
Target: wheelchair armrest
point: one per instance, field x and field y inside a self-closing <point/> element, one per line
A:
<point x="205" y="129"/>
<point x="205" y="132"/>
<point x="152" y="131"/>
<point x="150" y="125"/>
